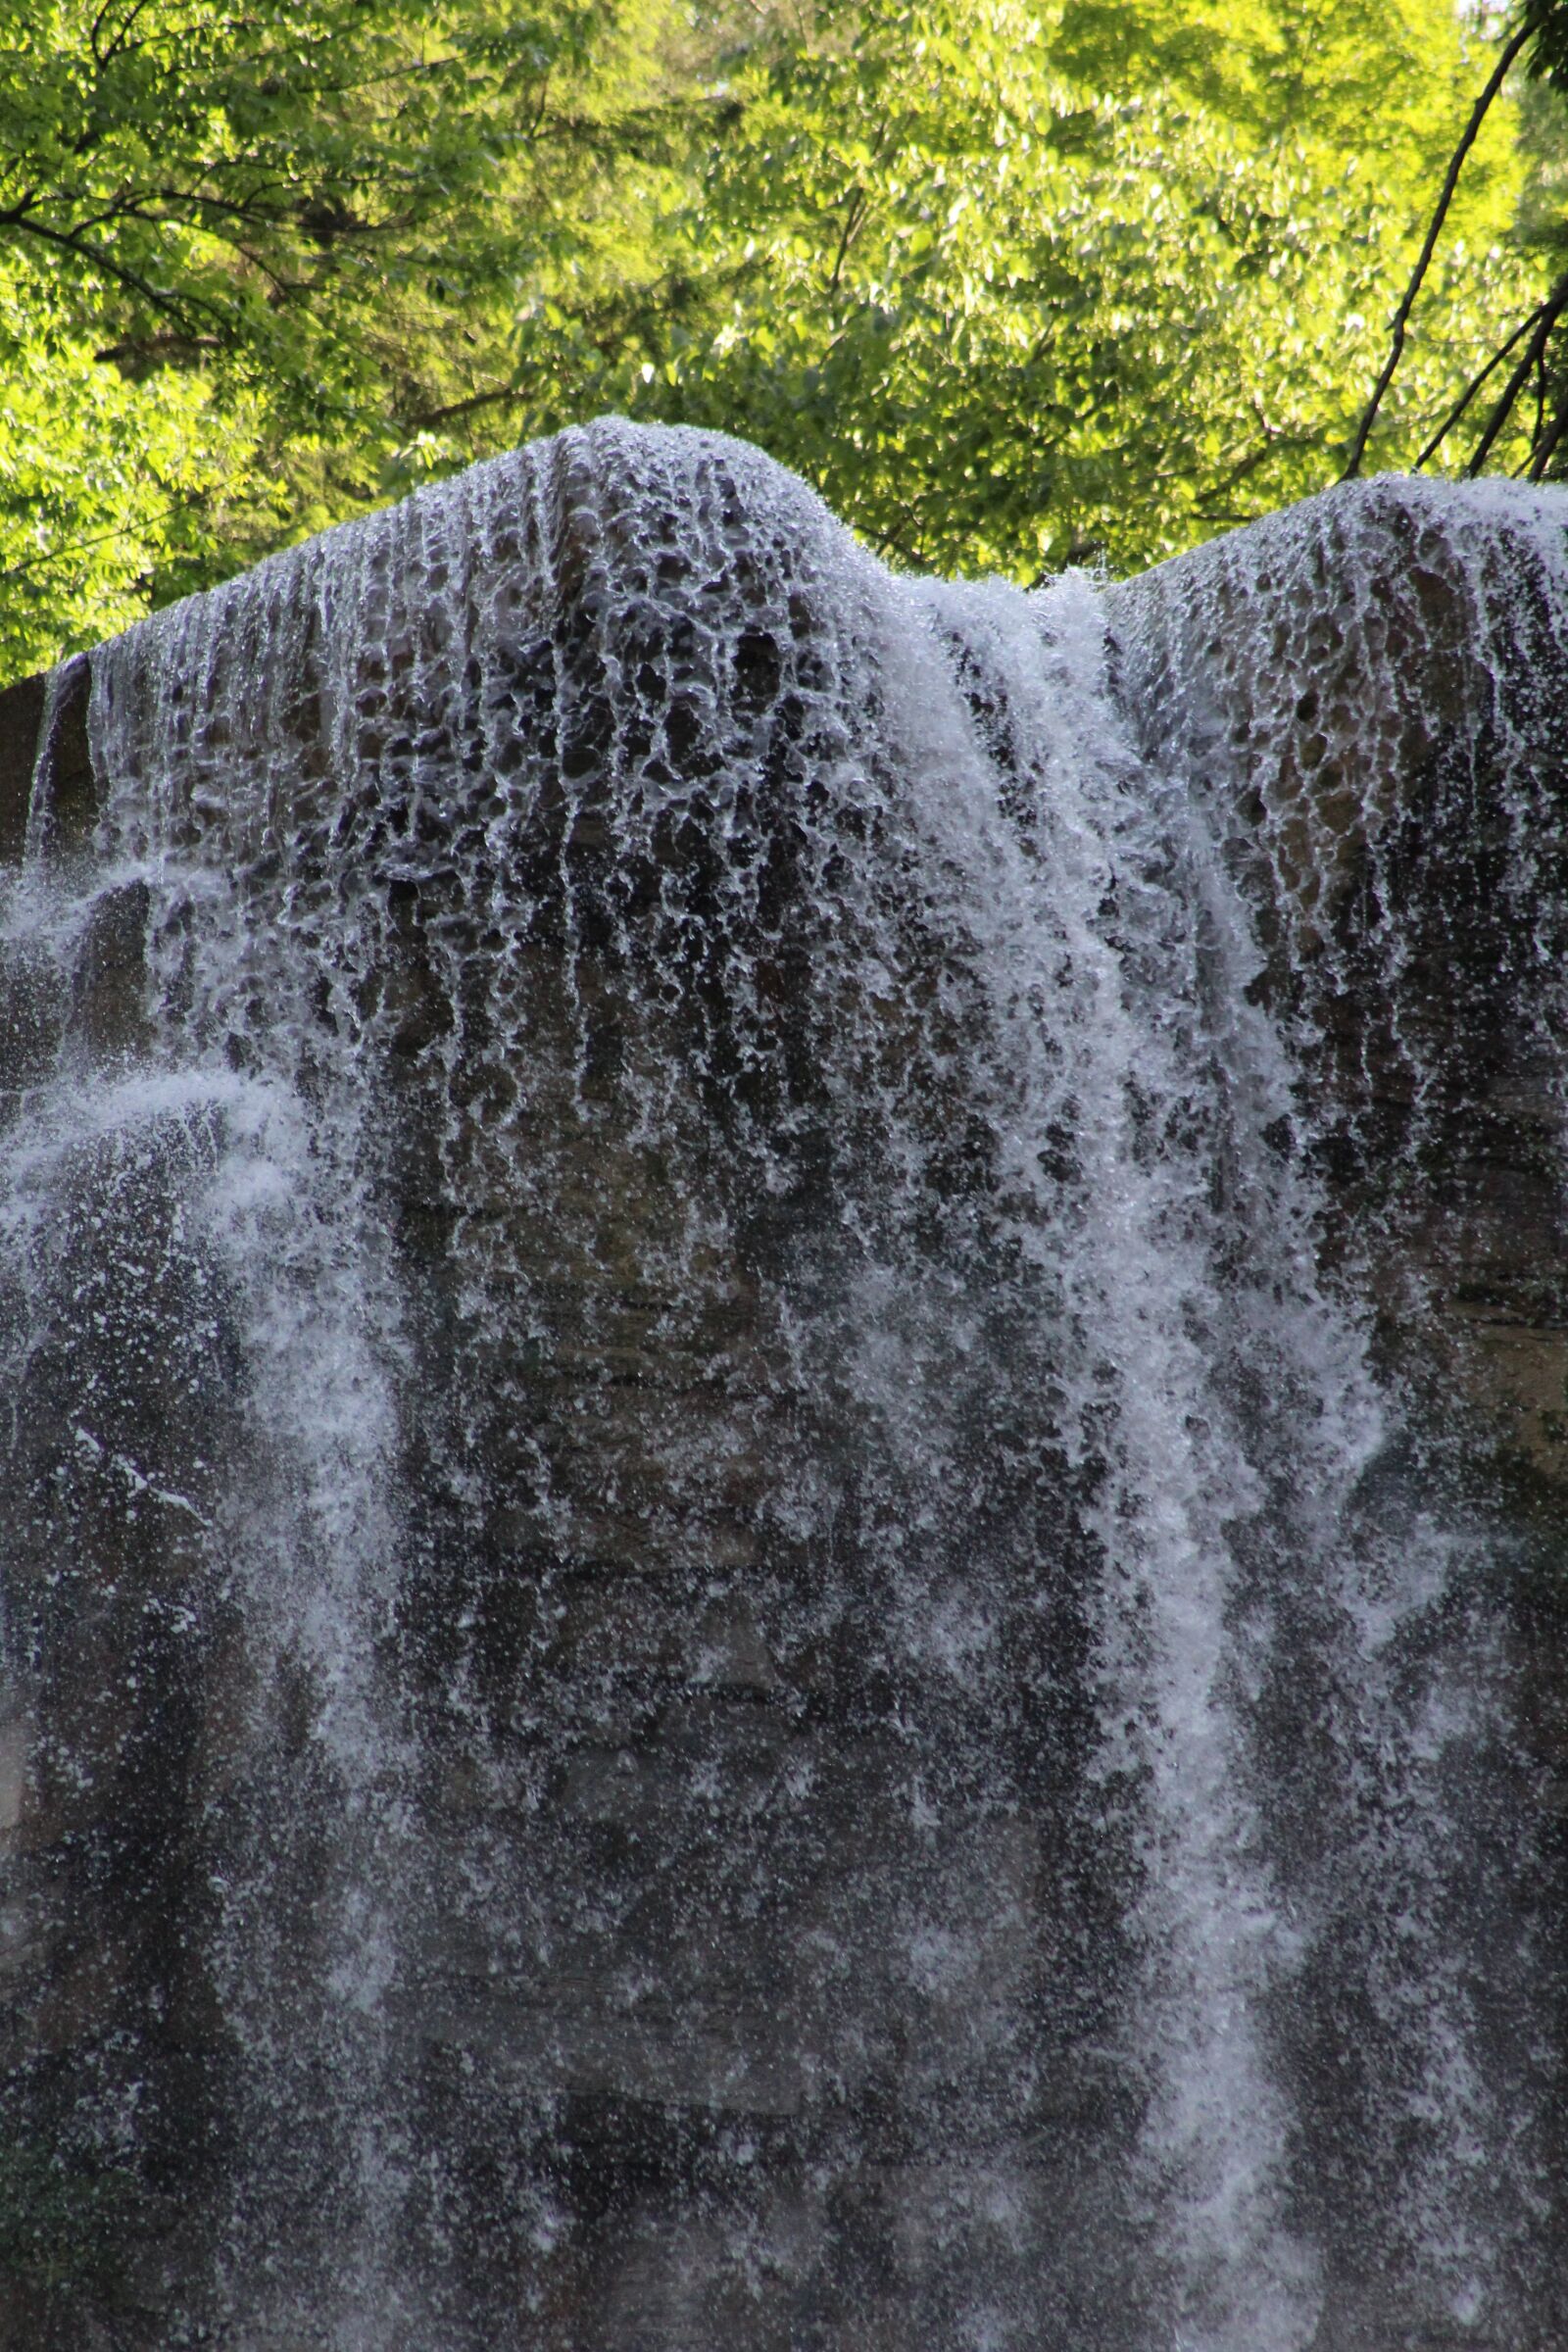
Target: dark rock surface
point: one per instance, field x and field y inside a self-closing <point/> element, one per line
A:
<point x="1368" y="692"/>
<point x="657" y="2010"/>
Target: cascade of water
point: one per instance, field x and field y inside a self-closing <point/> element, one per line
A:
<point x="1368" y="734"/>
<point x="199" y="1317"/>
<point x="664" y="1227"/>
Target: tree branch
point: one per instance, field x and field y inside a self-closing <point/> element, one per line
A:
<point x="854" y="214"/>
<point x="1551" y="310"/>
<point x="98" y="258"/>
<point x="1474" y="386"/>
<point x="1401" y="317"/>
<point x="79" y="546"/>
<point x="1543" y="455"/>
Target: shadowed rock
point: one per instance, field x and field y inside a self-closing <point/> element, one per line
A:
<point x="1367" y="695"/>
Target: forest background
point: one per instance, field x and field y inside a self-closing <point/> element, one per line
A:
<point x="1015" y="283"/>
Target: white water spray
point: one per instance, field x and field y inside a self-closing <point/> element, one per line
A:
<point x="820" y="1709"/>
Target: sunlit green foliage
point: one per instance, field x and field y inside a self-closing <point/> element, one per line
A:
<point x="1013" y="284"/>
<point x="101" y="479"/>
<point x="1029" y="283"/>
<point x="248" y="252"/>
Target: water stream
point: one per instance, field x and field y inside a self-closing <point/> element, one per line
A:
<point x="727" y="1628"/>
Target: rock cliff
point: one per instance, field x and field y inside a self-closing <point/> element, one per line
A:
<point x="707" y="1260"/>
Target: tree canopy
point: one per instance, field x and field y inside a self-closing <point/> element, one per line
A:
<point x="1013" y="284"/>
<point x="1033" y="285"/>
<point x="245" y="249"/>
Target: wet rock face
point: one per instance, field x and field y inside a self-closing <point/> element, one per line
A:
<point x="621" y="1158"/>
<point x="1366" y="694"/>
<point x="624" y="1731"/>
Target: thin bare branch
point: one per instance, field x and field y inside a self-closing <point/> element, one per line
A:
<point x="79" y="546"/>
<point x="1401" y="317"/>
<point x="1547" y="449"/>
<point x="1551" y="310"/>
<point x="1474" y="385"/>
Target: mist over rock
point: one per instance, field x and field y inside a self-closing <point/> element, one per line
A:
<point x="785" y="1426"/>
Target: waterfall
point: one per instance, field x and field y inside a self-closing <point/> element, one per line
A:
<point x="755" y="1587"/>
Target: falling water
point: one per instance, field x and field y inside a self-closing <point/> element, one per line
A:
<point x="729" y="1622"/>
